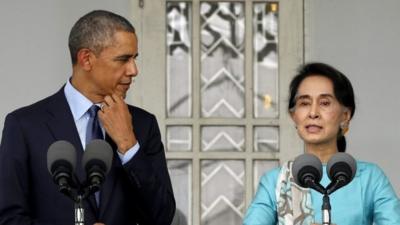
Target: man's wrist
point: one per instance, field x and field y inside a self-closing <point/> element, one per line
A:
<point x="128" y="143"/>
<point x="125" y="146"/>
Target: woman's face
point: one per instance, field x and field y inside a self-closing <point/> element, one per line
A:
<point x="317" y="113"/>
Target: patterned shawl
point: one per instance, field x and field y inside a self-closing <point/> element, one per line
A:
<point x="294" y="202"/>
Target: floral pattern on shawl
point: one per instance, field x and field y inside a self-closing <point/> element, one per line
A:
<point x="294" y="202"/>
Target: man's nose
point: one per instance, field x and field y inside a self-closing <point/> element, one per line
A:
<point x="132" y="69"/>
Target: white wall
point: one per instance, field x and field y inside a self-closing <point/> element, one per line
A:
<point x="362" y="39"/>
<point x="34" y="56"/>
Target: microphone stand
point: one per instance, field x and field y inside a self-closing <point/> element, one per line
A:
<point x="79" y="211"/>
<point x="88" y="190"/>
<point x="78" y="196"/>
<point x="326" y="205"/>
<point x="326" y="209"/>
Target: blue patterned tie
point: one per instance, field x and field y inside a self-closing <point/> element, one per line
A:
<point x="93" y="130"/>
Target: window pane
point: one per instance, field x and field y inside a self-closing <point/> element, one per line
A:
<point x="222" y="192"/>
<point x="181" y="178"/>
<point x="222" y="138"/>
<point x="260" y="167"/>
<point x="265" y="59"/>
<point x="266" y="139"/>
<point x="179" y="138"/>
<point x="179" y="59"/>
<point x="222" y="59"/>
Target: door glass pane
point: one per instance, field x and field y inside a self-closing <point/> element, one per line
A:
<point x="266" y="139"/>
<point x="222" y="59"/>
<point x="181" y="177"/>
<point x="222" y="192"/>
<point x="265" y="59"/>
<point x="260" y="167"/>
<point x="179" y="59"/>
<point x="222" y="138"/>
<point x="179" y="138"/>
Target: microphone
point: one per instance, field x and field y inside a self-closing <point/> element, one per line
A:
<point x="341" y="170"/>
<point x="61" y="163"/>
<point x="307" y="172"/>
<point x="96" y="161"/>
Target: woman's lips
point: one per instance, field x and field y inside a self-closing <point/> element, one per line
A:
<point x="313" y="128"/>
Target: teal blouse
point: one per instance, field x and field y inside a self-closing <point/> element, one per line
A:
<point x="368" y="199"/>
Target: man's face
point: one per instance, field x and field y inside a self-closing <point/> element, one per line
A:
<point x="114" y="68"/>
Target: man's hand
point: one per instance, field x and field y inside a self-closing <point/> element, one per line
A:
<point x="117" y="121"/>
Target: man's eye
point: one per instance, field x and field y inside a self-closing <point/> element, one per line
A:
<point x="123" y="59"/>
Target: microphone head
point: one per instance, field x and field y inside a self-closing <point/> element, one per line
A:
<point x="342" y="164"/>
<point x="306" y="166"/>
<point x="61" y="152"/>
<point x="98" y="152"/>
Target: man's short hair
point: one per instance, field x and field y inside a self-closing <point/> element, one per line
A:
<point x="95" y="31"/>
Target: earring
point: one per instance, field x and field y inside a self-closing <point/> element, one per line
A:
<point x="344" y="127"/>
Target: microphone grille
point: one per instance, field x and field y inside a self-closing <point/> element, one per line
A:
<point x="98" y="150"/>
<point x="306" y="163"/>
<point x="343" y="163"/>
<point x="61" y="150"/>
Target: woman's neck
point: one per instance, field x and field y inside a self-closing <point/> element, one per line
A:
<point x="323" y="151"/>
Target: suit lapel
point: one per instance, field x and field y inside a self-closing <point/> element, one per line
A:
<point x="62" y="125"/>
<point x="61" y="121"/>
<point x="111" y="178"/>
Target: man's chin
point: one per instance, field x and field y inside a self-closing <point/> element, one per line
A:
<point x="121" y="94"/>
<point x="122" y="90"/>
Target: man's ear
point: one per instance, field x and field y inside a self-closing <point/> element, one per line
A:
<point x="84" y="59"/>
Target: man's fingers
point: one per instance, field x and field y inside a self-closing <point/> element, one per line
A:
<point x="117" y="98"/>
<point x="109" y="101"/>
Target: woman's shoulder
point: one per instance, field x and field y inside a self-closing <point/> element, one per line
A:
<point x="271" y="174"/>
<point x="367" y="168"/>
<point x="371" y="174"/>
<point x="269" y="178"/>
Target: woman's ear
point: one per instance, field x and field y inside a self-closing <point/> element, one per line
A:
<point x="346" y="115"/>
<point x="291" y="112"/>
<point x="344" y="125"/>
<point x="292" y="115"/>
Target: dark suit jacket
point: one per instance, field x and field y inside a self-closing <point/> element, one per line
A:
<point x="138" y="192"/>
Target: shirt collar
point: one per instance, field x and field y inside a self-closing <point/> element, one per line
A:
<point x="77" y="102"/>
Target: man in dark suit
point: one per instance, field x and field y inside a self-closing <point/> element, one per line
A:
<point x="138" y="189"/>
